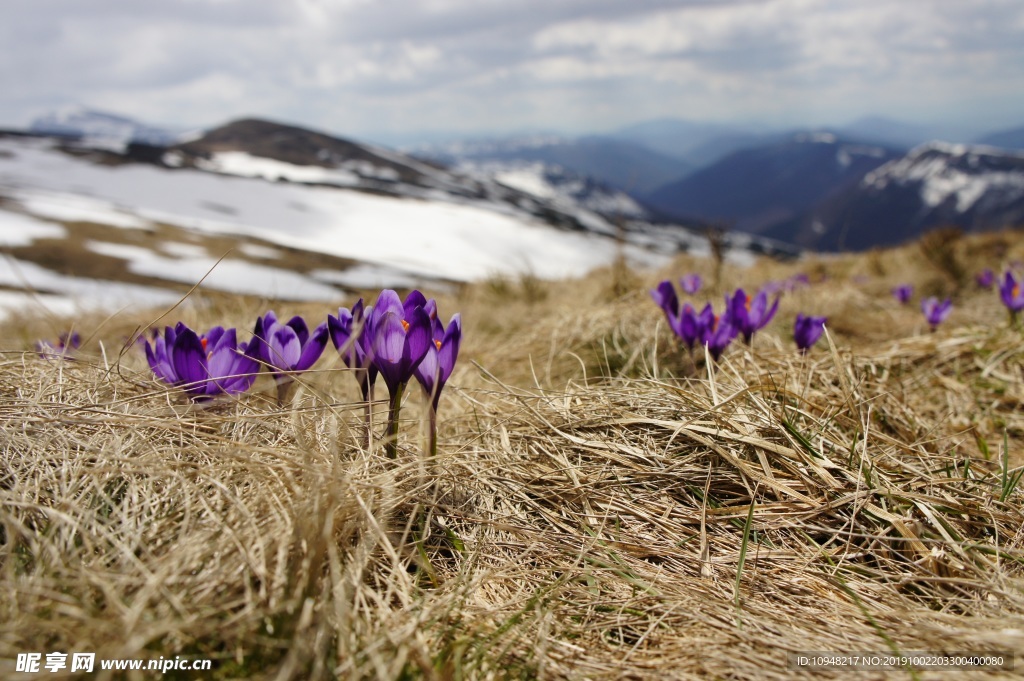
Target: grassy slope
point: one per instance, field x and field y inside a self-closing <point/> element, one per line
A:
<point x="589" y="513"/>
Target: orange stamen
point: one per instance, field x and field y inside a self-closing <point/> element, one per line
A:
<point x="203" y="341"/>
<point x="438" y="344"/>
<point x="405" y="325"/>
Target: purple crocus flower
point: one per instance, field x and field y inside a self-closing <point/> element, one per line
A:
<point x="807" y="330"/>
<point x="690" y="324"/>
<point x="718" y="334"/>
<point x="665" y="297"/>
<point x="903" y="293"/>
<point x="204" y="365"/>
<point x="65" y="346"/>
<point x="936" y="312"/>
<point x="1011" y="294"/>
<point x="399" y="336"/>
<point x="748" y="316"/>
<point x="798" y="281"/>
<point x="985" y="278"/>
<point x="354" y="344"/>
<point x="437" y="365"/>
<point x="691" y="283"/>
<point x="288" y="347"/>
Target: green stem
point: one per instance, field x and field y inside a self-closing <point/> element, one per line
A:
<point x="394" y="407"/>
<point x="284" y="386"/>
<point x="433" y="432"/>
<point x="368" y="409"/>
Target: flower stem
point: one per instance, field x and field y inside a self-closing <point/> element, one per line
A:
<point x="284" y="386"/>
<point x="391" y="436"/>
<point x="433" y="432"/>
<point x="368" y="411"/>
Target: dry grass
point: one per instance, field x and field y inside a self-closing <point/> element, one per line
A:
<point x="599" y="508"/>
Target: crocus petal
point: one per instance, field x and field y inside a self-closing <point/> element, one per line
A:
<point x="221" y="359"/>
<point x="449" y="351"/>
<point x="412" y="301"/>
<point x="388" y="346"/>
<point x="313" y="348"/>
<point x="418" y="340"/>
<point x="298" y="325"/>
<point x="189" y="360"/>
<point x="388" y="301"/>
<point x="428" y="372"/>
<point x="285" y="349"/>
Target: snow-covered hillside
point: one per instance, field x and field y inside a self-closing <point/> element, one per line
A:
<point x="390" y="240"/>
<point x="957" y="174"/>
<point x="937" y="184"/>
<point x="101" y="129"/>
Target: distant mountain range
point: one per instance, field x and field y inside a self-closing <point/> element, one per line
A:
<point x="755" y="188"/>
<point x="937" y="184"/>
<point x="623" y="164"/>
<point x="828" y="189"/>
<point x="99" y="128"/>
<point x="1005" y="139"/>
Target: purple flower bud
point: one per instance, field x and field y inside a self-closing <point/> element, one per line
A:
<point x="1011" y="294"/>
<point x="903" y="293"/>
<point x="690" y="325"/>
<point x="691" y="283"/>
<point x="748" y="316"/>
<point x="936" y="312"/>
<point x="986" y="278"/>
<point x="665" y="297"/>
<point x="439" y="362"/>
<point x="287" y="347"/>
<point x="718" y="334"/>
<point x="65" y="346"/>
<point x="807" y="330"/>
<point x="350" y="336"/>
<point x="400" y="335"/>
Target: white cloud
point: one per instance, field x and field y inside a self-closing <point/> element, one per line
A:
<point x="356" y="66"/>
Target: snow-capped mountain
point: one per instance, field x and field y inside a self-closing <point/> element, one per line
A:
<point x="296" y="214"/>
<point x="626" y="165"/>
<point x="761" y="186"/>
<point x="936" y="184"/>
<point x="98" y="128"/>
<point x="558" y="185"/>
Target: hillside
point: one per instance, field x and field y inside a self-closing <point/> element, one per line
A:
<point x="598" y="506"/>
<point x="620" y="163"/>
<point x="756" y="188"/>
<point x="974" y="188"/>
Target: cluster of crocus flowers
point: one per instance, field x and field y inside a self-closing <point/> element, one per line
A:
<point x="935" y="312"/>
<point x="394" y="339"/>
<point x="398" y="341"/>
<point x="204" y="365"/>
<point x="741" y="315"/>
<point x="64" y="347"/>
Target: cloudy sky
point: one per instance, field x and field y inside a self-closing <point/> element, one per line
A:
<point x="391" y="69"/>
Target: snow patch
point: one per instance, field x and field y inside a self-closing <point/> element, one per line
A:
<point x="77" y="294"/>
<point x="178" y="249"/>
<point x="18" y="229"/>
<point x="246" y="165"/>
